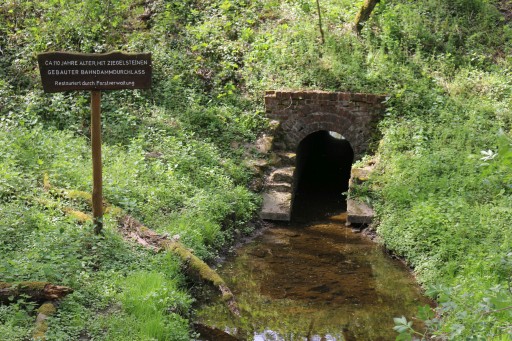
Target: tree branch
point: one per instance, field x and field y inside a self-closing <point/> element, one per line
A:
<point x="36" y="291"/>
<point x="320" y="22"/>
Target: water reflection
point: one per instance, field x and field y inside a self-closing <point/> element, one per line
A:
<point x="317" y="281"/>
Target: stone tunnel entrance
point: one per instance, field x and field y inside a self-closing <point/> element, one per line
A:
<point x="322" y="173"/>
<point x="302" y="121"/>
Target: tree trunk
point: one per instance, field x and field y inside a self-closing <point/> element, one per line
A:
<point x="364" y="14"/>
<point x="36" y="291"/>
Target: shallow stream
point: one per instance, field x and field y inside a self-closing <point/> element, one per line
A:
<point x="314" y="281"/>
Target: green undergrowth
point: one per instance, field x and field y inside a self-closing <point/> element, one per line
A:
<point x="174" y="155"/>
<point x="447" y="211"/>
<point x="442" y="188"/>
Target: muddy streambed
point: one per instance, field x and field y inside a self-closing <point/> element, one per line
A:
<point x="314" y="281"/>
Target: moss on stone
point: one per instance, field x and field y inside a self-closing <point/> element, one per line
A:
<point x="41" y="327"/>
<point x="47" y="309"/>
<point x="78" y="215"/>
<point x="46" y="182"/>
<point x="40" y="331"/>
<point x="78" y="195"/>
<point x="33" y="285"/>
<point x="114" y="210"/>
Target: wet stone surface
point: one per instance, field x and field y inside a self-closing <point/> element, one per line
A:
<point x="314" y="281"/>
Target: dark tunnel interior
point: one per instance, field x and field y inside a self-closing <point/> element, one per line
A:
<point x="322" y="174"/>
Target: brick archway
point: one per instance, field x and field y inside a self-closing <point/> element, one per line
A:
<point x="296" y="129"/>
<point x="301" y="113"/>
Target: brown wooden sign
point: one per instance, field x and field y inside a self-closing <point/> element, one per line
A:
<point x="64" y="71"/>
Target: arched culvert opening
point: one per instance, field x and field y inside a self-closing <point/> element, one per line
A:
<point x="324" y="161"/>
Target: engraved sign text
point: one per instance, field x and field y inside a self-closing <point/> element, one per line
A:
<point x="64" y="71"/>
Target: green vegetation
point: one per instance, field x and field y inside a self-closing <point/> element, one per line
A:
<point x="173" y="155"/>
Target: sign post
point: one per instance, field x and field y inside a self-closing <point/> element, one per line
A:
<point x="97" y="176"/>
<point x="64" y="71"/>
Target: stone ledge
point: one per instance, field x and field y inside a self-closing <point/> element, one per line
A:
<point x="287" y="159"/>
<point x="283" y="174"/>
<point x="278" y="187"/>
<point x="276" y="206"/>
<point x="361" y="174"/>
<point x="358" y="212"/>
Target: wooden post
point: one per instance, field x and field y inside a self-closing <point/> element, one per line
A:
<point x="97" y="188"/>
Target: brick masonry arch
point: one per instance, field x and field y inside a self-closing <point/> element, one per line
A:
<point x="298" y="114"/>
<point x="295" y="129"/>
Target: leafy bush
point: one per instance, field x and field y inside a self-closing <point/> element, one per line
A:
<point x="443" y="197"/>
<point x="15" y="322"/>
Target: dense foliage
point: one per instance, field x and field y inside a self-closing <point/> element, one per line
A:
<point x="173" y="155"/>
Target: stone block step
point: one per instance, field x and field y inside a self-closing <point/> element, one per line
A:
<point x="284" y="174"/>
<point x="276" y="206"/>
<point x="358" y="212"/>
<point x="287" y="158"/>
<point x="361" y="174"/>
<point x="279" y="186"/>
